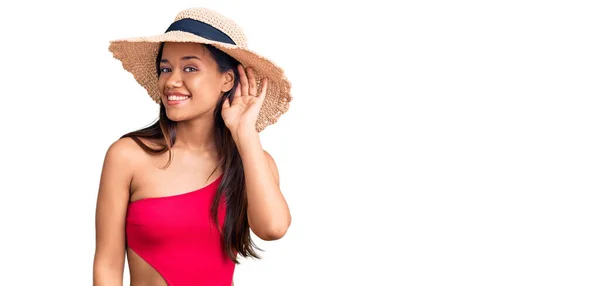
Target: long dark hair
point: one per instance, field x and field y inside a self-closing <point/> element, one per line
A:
<point x="235" y="234"/>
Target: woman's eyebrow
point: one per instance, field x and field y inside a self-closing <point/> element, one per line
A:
<point x="182" y="58"/>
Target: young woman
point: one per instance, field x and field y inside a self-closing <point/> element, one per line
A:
<point x="180" y="197"/>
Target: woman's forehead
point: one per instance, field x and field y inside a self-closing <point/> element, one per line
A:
<point x="175" y="49"/>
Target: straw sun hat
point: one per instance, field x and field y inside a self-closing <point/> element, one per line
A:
<point x="201" y="25"/>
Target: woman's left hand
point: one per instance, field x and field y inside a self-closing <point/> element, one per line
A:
<point x="241" y="113"/>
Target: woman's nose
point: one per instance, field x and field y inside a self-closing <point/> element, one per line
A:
<point x="174" y="80"/>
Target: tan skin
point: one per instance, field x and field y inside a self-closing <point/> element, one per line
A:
<point x="130" y="174"/>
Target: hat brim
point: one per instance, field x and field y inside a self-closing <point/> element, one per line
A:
<point x="138" y="56"/>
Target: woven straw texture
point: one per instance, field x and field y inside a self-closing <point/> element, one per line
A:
<point x="138" y="56"/>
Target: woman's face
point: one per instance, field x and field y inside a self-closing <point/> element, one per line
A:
<point x="190" y="81"/>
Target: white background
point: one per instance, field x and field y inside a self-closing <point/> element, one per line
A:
<point x="428" y="143"/>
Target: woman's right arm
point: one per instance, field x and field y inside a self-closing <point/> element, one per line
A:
<point x="111" y="209"/>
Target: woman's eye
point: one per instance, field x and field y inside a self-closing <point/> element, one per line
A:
<point x="165" y="70"/>
<point x="190" y="69"/>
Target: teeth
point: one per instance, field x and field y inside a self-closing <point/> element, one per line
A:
<point x="177" y="97"/>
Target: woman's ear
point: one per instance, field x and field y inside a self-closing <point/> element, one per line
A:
<point x="228" y="80"/>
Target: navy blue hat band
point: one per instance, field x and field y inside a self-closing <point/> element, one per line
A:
<point x="200" y="29"/>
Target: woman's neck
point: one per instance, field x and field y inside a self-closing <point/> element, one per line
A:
<point x="195" y="135"/>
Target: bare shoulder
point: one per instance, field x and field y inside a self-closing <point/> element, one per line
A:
<point x="125" y="152"/>
<point x="123" y="147"/>
<point x="120" y="157"/>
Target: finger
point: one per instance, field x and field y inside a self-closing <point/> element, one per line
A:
<point x="263" y="89"/>
<point x="237" y="96"/>
<point x="251" y="82"/>
<point x="243" y="80"/>
<point x="238" y="91"/>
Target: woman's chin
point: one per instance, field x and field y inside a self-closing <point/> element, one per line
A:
<point x="177" y="116"/>
<point x="182" y="112"/>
